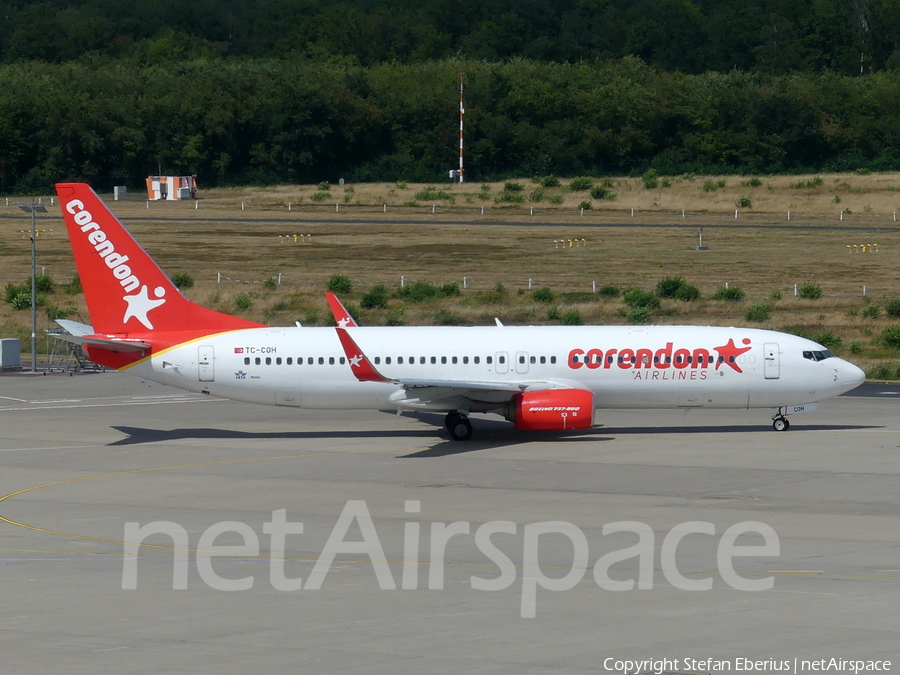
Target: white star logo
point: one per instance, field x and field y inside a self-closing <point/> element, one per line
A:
<point x="140" y="303"/>
<point x="355" y="361"/>
<point x="343" y="323"/>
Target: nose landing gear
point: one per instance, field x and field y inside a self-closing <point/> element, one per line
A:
<point x="780" y="422"/>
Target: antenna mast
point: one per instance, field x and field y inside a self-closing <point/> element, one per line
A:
<point x="462" y="115"/>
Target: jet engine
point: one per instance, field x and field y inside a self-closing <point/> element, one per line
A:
<point x="552" y="410"/>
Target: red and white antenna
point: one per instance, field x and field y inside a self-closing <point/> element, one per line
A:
<point x="462" y="116"/>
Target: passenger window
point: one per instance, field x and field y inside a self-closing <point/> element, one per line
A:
<point x="268" y="360"/>
<point x="521" y="359"/>
<point x="309" y="361"/>
<point x="330" y="360"/>
<point x="465" y="359"/>
<point x="400" y="360"/>
<point x="533" y="359"/>
<point x="377" y="360"/>
<point x="341" y="361"/>
<point x="489" y="360"/>
<point x="454" y="360"/>
<point x="444" y="359"/>
<point x="543" y="359"/>
<point x="552" y="359"/>
<point x="246" y="360"/>
<point x="422" y="360"/>
<point x="434" y="359"/>
<point x="476" y="359"/>
<point x="387" y="360"/>
<point x="258" y="360"/>
<point x="501" y="359"/>
<point x="290" y="361"/>
<point x="278" y="361"/>
<point x="321" y="360"/>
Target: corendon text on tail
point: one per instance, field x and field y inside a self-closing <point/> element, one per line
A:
<point x="550" y="378"/>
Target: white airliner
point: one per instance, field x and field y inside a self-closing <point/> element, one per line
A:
<point x="538" y="377"/>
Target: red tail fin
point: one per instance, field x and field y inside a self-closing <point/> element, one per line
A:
<point x="126" y="291"/>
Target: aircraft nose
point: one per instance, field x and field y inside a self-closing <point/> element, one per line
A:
<point x="852" y="375"/>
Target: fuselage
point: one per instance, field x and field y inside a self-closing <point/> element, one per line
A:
<point x="624" y="367"/>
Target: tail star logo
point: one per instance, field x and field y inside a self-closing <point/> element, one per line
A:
<point x="140" y="304"/>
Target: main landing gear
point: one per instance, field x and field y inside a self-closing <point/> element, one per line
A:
<point x="459" y="426"/>
<point x="780" y="422"/>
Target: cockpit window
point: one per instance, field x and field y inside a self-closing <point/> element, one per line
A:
<point x="818" y="355"/>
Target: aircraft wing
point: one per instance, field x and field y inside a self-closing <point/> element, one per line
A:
<point x="82" y="334"/>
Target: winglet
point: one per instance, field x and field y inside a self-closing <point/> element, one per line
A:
<point x="341" y="316"/>
<point x="360" y="365"/>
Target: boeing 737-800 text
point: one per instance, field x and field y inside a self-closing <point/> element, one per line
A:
<point x="537" y="377"/>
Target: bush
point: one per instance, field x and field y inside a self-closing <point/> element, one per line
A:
<point x="609" y="291"/>
<point x="667" y="287"/>
<point x="419" y="291"/>
<point x="744" y="202"/>
<point x="753" y="182"/>
<point x="445" y="317"/>
<point x="270" y="284"/>
<point x="871" y="311"/>
<point x="243" y="302"/>
<point x="543" y="295"/>
<point x="556" y="199"/>
<point x="74" y="286"/>
<point x="856" y="347"/>
<point x="776" y="295"/>
<point x="892" y="308"/>
<point x="324" y="186"/>
<point x="182" y="280"/>
<point x="732" y="294"/>
<point x="321" y="196"/>
<point x="637" y="297"/>
<point x="710" y="186"/>
<point x="687" y="293"/>
<point x="513" y="187"/>
<point x="581" y="184"/>
<point x="808" y="184"/>
<point x="890" y="337"/>
<point x="758" y="312"/>
<point x="827" y="339"/>
<point x="12" y="290"/>
<point x="650" y="179"/>
<point x="639" y="315"/>
<point x="43" y="283"/>
<point x="537" y="195"/>
<point x="586" y="205"/>
<point x="601" y="192"/>
<point x="548" y="181"/>
<point x="810" y="291"/>
<point x="509" y="198"/>
<point x="339" y="283"/>
<point x="394" y="317"/>
<point x="376" y="298"/>
<point x="431" y="193"/>
<point x="21" y="300"/>
<point x="572" y="318"/>
<point x="450" y="289"/>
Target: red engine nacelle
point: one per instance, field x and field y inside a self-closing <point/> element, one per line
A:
<point x="554" y="410"/>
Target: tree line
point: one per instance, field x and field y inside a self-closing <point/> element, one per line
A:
<point x="693" y="36"/>
<point x="265" y="121"/>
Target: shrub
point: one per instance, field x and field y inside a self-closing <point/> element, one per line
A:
<point x="687" y="293"/>
<point x="753" y="182"/>
<point x="732" y="293"/>
<point x="710" y="186"/>
<point x="884" y="371"/>
<point x="890" y="337"/>
<point x="43" y="283"/>
<point x="12" y="290"/>
<point x="609" y="291"/>
<point x="871" y="311"/>
<point x="892" y="308"/>
<point x="776" y="295"/>
<point x="54" y="312"/>
<point x="74" y="286"/>
<point x="580" y="184"/>
<point x="637" y="297"/>
<point x="572" y="317"/>
<point x="338" y="283"/>
<point x="243" y="302"/>
<point x="639" y="315"/>
<point x="810" y="291"/>
<point x="324" y="186"/>
<point x="667" y="287"/>
<point x="376" y="298"/>
<point x="450" y="289"/>
<point x="509" y="198"/>
<point x="856" y="347"/>
<point x="21" y="300"/>
<point x="543" y="295"/>
<point x="270" y="284"/>
<point x="549" y="181"/>
<point x="394" y="317"/>
<point x="420" y="291"/>
<point x="556" y="199"/>
<point x="744" y="202"/>
<point x="445" y="317"/>
<point x="431" y="193"/>
<point x="827" y="339"/>
<point x="513" y="187"/>
<point x="758" y="312"/>
<point x="537" y="195"/>
<point x="321" y="196"/>
<point x="553" y="313"/>
<point x="810" y="184"/>
<point x="601" y="192"/>
<point x="586" y="205"/>
<point x="650" y="179"/>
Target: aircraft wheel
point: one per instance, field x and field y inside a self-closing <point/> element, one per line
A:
<point x="781" y="424"/>
<point x="459" y="426"/>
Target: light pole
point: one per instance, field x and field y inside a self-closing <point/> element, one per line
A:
<point x="33" y="208"/>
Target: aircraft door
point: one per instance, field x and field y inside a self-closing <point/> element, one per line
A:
<point x="205" y="361"/>
<point x="771" y="361"/>
<point x="502" y="365"/>
<point x="522" y="362"/>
